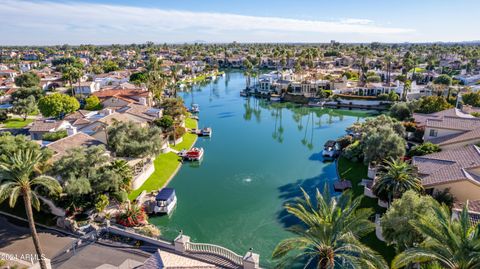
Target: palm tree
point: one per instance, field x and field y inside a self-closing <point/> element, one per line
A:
<point x="388" y="60"/>
<point x="395" y="178"/>
<point x="451" y="242"/>
<point x="16" y="177"/>
<point x="328" y="234"/>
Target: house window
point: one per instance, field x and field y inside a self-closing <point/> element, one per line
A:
<point x="433" y="133"/>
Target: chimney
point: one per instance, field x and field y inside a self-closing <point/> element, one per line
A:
<point x="107" y="111"/>
<point x="71" y="130"/>
<point x="467" y="109"/>
<point x="160" y="113"/>
<point x="143" y="101"/>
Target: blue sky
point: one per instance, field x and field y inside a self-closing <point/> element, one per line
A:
<point x="40" y="22"/>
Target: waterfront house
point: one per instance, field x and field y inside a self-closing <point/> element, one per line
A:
<point x="450" y="128"/>
<point x="73" y="140"/>
<point x="98" y="128"/>
<point x="457" y="169"/>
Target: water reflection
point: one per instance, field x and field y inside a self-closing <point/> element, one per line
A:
<point x="307" y="119"/>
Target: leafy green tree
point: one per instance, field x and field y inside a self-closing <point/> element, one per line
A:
<point x="92" y="103"/>
<point x="471" y="98"/>
<point x="444" y="79"/>
<point x="88" y="172"/>
<point x="165" y="122"/>
<point x="109" y="66"/>
<point x="24" y="93"/>
<point x="27" y="80"/>
<point x="57" y="105"/>
<point x="328" y="234"/>
<point x="424" y="149"/>
<point x="432" y="104"/>
<point x="379" y="138"/>
<point x="138" y="77"/>
<point x="130" y="140"/>
<point x="174" y="107"/>
<point x="395" y="177"/>
<point x="395" y="223"/>
<point x="452" y="242"/>
<point x="381" y="143"/>
<point x="24" y="107"/>
<point x="17" y="178"/>
<point x="401" y="111"/>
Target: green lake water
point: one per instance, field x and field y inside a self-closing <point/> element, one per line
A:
<point x="259" y="156"/>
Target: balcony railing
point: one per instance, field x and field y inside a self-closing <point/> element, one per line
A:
<point x="216" y="250"/>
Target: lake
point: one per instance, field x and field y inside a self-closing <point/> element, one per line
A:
<point x="259" y="156"/>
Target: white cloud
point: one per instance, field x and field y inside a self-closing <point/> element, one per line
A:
<point x="54" y="23"/>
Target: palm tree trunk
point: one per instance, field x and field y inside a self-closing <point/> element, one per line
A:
<point x="33" y="230"/>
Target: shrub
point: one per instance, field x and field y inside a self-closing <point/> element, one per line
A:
<point x="471" y="98"/>
<point x="149" y="230"/>
<point x="410" y="126"/>
<point x="132" y="216"/>
<point x="445" y="197"/>
<point x="354" y="152"/>
<point x="120" y="196"/>
<point x="383" y="97"/>
<point x="424" y="149"/>
<point x="3" y="115"/>
<point x="179" y="132"/>
<point x="345" y="141"/>
<point x="54" y="136"/>
<point x="374" y="79"/>
<point x="164" y="122"/>
<point x="431" y="104"/>
<point x="92" y="103"/>
<point x="102" y="203"/>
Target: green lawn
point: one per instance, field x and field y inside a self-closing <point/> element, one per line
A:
<point x="16" y="123"/>
<point x="166" y="164"/>
<point x="191" y="123"/>
<point x="355" y="172"/>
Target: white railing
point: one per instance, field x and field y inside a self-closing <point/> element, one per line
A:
<point x="216" y="250"/>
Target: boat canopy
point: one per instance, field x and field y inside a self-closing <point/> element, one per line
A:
<point x="165" y="194"/>
<point x="330" y="144"/>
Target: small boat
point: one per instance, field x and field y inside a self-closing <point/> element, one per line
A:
<point x="316" y="104"/>
<point x="330" y="149"/>
<point x="194" y="154"/>
<point x="165" y="201"/>
<point x="207" y="131"/>
<point x="275" y="98"/>
<point x="195" y="108"/>
<point x="243" y="93"/>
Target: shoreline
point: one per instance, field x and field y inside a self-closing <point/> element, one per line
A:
<point x="178" y="167"/>
<point x="135" y="193"/>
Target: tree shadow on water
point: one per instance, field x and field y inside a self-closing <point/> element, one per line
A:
<point x="292" y="191"/>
